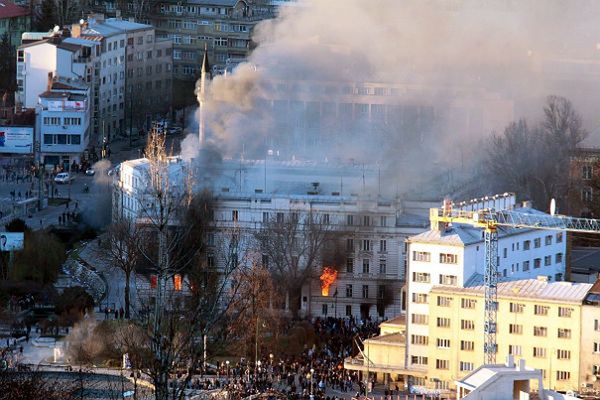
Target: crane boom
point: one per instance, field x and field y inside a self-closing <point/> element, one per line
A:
<point x="489" y="220"/>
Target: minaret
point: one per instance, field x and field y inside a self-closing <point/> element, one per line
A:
<point x="204" y="75"/>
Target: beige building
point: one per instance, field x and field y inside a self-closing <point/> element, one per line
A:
<point x="547" y="323"/>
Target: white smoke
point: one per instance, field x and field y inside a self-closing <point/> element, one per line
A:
<point x="474" y="66"/>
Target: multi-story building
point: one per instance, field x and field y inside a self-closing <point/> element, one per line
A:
<point x="371" y="229"/>
<point x="64" y="113"/>
<point x="454" y="255"/>
<point x="14" y="20"/>
<point x="135" y="79"/>
<point x="547" y="323"/>
<point x="584" y="182"/>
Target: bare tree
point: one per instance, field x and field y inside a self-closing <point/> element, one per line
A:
<point x="193" y="292"/>
<point x="122" y="251"/>
<point x="293" y="246"/>
<point x="534" y="162"/>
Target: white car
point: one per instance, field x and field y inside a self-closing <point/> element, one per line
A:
<point x="63" y="177"/>
<point x="90" y="172"/>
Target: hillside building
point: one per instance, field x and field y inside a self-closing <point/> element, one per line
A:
<point x="14" y="20"/>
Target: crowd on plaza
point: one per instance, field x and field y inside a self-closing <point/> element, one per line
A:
<point x="311" y="373"/>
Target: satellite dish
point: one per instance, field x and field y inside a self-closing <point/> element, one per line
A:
<point x="553" y="207"/>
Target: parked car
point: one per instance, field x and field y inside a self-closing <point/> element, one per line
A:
<point x="63" y="177"/>
<point x="90" y="172"/>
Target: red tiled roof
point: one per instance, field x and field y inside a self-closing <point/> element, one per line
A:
<point x="10" y="10"/>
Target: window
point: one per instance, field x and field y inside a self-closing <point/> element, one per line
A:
<point x="420" y="319"/>
<point x="540" y="310"/>
<point x="365" y="291"/>
<point x="383" y="220"/>
<point x="468" y="303"/>
<point x="421" y="256"/>
<point x="466" y="366"/>
<point x="515" y="350"/>
<point x="365" y="266"/>
<point x="422" y="277"/>
<point x="539" y="352"/>
<point x="443" y="322"/>
<point x="366" y="220"/>
<point x="586" y="172"/>
<point x="564" y="312"/>
<point x="516" y="307"/>
<point x="279" y="217"/>
<point x="383" y="246"/>
<point x="382" y="266"/>
<point x="421" y="360"/>
<point x="563" y="375"/>
<point x="326" y="219"/>
<point x="540" y="331"/>
<point x="366" y="245"/>
<point x="467" y="324"/>
<point x="443" y="343"/>
<point x="448" y="280"/>
<point x="349" y="244"/>
<point x="563" y="354"/>
<point x="548" y="240"/>
<point x="596" y="347"/>
<point x="537" y="243"/>
<point x="350" y="265"/>
<point x="559" y="237"/>
<point x="525" y="266"/>
<point x="349" y="219"/>
<point x="419" y="298"/>
<point x="537" y="263"/>
<point x="324" y="309"/>
<point x="442" y="364"/>
<point x="348" y="290"/>
<point x="467" y="345"/>
<point x="51" y="120"/>
<point x="48" y="139"/>
<point x="564" y="333"/>
<point x="140" y="40"/>
<point x="587" y="195"/>
<point x="526" y="245"/>
<point x="348" y="310"/>
<point x="558" y="258"/>
<point x="547" y="260"/>
<point x="75" y="139"/>
<point x="597" y="325"/>
<point x="419" y="339"/>
<point x="443" y="301"/>
<point x="265" y="217"/>
<point x="515" y="329"/>
<point x="448" y="258"/>
<point x="234" y="215"/>
<point x="72" y="121"/>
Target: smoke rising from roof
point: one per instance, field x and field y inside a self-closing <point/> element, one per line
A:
<point x="452" y="72"/>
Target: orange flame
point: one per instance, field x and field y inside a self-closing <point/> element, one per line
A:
<point x="327" y="278"/>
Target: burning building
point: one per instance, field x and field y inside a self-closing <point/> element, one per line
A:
<point x="370" y="230"/>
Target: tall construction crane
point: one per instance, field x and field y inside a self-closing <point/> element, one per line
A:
<point x="489" y="220"/>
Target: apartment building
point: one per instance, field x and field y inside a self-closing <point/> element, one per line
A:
<point x="454" y="255"/>
<point x="64" y="114"/>
<point x="141" y="74"/>
<point x="372" y="229"/>
<point x="546" y="323"/>
<point x="14" y="20"/>
<point x="584" y="180"/>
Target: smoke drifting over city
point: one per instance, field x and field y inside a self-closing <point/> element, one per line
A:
<point x="404" y="84"/>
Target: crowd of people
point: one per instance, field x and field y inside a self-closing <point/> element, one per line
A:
<point x="307" y="375"/>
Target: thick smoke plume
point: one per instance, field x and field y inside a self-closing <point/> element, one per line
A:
<point x="457" y="70"/>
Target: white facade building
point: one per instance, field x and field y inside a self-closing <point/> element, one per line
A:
<point x="455" y="255"/>
<point x="372" y="230"/>
<point x="64" y="122"/>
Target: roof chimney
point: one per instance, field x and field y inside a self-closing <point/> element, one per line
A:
<point x="50" y="79"/>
